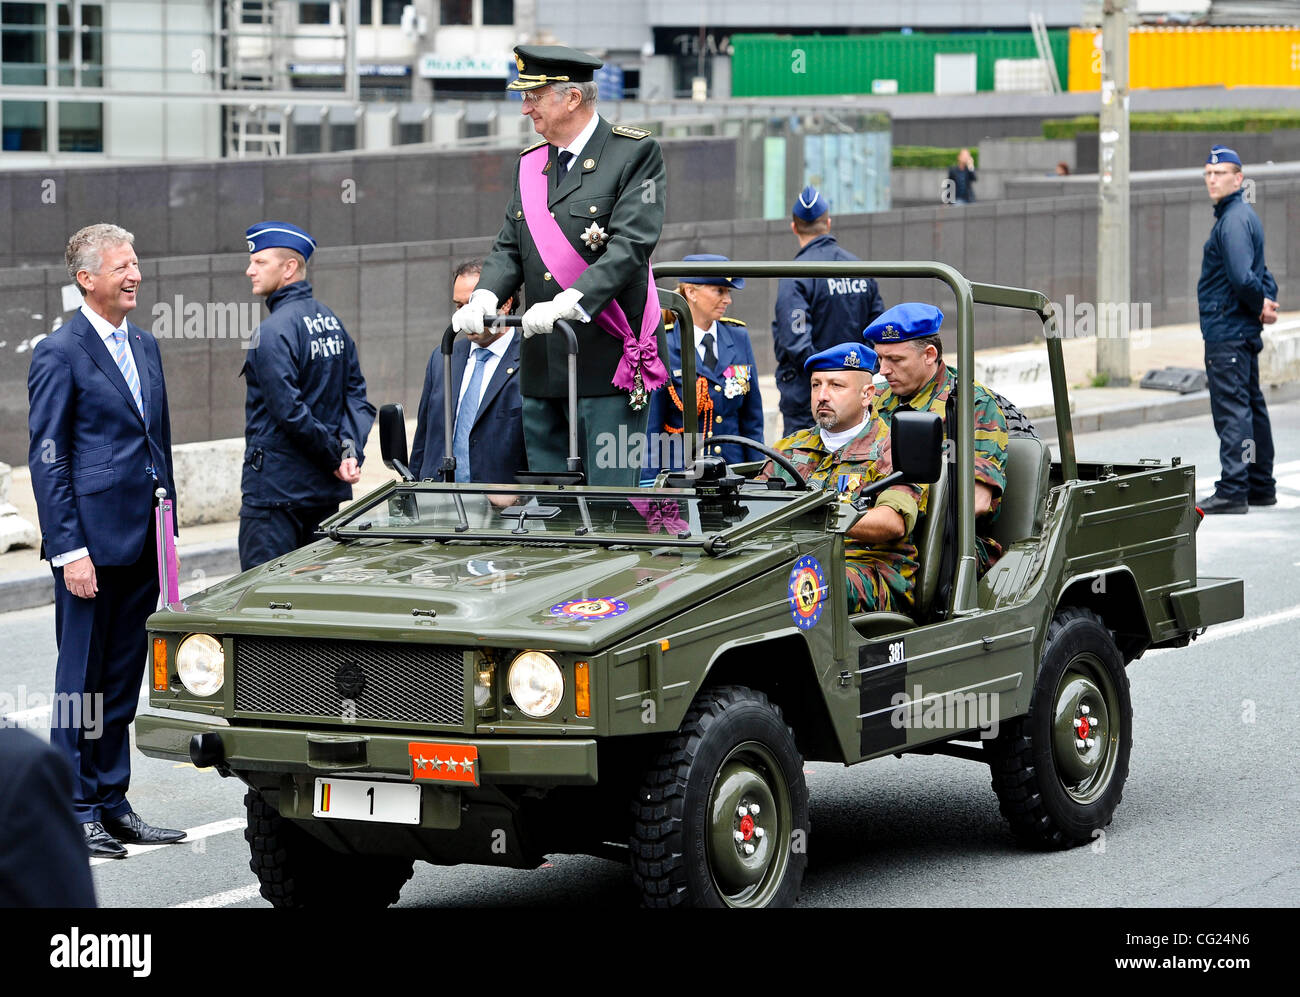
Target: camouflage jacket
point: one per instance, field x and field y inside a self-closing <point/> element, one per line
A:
<point x="861" y="461"/>
<point x="990" y="443"/>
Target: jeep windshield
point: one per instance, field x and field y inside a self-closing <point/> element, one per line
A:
<point x="672" y="517"/>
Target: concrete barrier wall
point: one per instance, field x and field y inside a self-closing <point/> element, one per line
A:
<point x="395" y="298"/>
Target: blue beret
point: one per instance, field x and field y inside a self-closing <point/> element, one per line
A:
<point x="810" y="205"/>
<point x="279" y="235"/>
<point x="910" y="320"/>
<point x="1222" y="154"/>
<point x="846" y="356"/>
<point x="734" y="282"/>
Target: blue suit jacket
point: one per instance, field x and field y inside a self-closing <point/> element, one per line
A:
<point x="93" y="458"/>
<point x="741" y="414"/>
<point x="496" y="440"/>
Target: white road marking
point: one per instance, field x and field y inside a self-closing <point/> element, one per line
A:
<point x="1225" y="630"/>
<point x="191" y="835"/>
<point x="226" y="899"/>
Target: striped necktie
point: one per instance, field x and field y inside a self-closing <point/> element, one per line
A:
<point x="126" y="364"/>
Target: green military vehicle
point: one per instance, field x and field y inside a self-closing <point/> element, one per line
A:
<point x="460" y="673"/>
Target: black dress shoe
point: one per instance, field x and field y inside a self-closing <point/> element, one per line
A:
<point x="101" y="844"/>
<point x="129" y="827"/>
<point x="1216" y="504"/>
<point x="1263" y="500"/>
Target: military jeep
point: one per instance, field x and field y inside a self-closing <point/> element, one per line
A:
<point x="463" y="673"/>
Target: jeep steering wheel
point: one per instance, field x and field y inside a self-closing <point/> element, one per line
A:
<point x="776" y="456"/>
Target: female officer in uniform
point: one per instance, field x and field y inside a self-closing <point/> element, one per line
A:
<point x="727" y="397"/>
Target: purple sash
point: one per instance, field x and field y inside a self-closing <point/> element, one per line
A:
<point x="168" y="566"/>
<point x="640" y="353"/>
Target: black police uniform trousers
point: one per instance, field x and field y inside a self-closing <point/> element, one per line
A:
<point x="1241" y="420"/>
<point x="265" y="534"/>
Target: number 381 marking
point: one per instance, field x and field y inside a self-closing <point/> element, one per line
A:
<point x="896" y="652"/>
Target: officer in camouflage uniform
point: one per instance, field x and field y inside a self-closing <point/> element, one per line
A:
<point x="911" y="359"/>
<point x="847" y="450"/>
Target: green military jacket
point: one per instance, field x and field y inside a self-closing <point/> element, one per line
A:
<point x="990" y="443"/>
<point x="617" y="184"/>
<point x="863" y="460"/>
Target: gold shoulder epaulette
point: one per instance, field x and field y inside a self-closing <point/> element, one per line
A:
<point x="630" y="131"/>
<point x="535" y="145"/>
<point x="732" y="321"/>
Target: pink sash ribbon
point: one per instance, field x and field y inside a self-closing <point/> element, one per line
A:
<point x="640" y="352"/>
<point x="168" y="579"/>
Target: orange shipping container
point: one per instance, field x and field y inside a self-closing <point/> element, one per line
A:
<point x="1193" y="57"/>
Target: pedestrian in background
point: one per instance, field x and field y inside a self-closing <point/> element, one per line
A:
<point x="961" y="178"/>
<point x="1237" y="297"/>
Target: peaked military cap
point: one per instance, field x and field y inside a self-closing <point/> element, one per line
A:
<point x="910" y="320"/>
<point x="810" y="205"/>
<point x="542" y="65"/>
<point x="846" y="356"/>
<point x="1222" y="154"/>
<point x="733" y="282"/>
<point x="279" y="235"/>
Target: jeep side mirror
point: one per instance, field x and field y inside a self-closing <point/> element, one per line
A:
<point x="916" y="446"/>
<point x="392" y="440"/>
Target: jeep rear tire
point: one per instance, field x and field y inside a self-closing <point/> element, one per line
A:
<point x="721" y="818"/>
<point x="1059" y="771"/>
<point x="296" y="870"/>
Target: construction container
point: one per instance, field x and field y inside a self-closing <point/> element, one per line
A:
<point x="1163" y="57"/>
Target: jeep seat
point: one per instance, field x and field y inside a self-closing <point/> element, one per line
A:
<point x="1029" y="463"/>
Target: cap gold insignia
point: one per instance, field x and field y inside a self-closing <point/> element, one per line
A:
<point x="519" y="61"/>
<point x="852" y="360"/>
<point x="588" y="164"/>
<point x="594" y="236"/>
<point x="890" y="332"/>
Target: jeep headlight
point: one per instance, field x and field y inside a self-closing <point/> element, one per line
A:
<point x="201" y="664"/>
<point x="536" y="683"/>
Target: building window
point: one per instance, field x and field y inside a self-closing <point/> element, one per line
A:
<point x="457" y="12"/>
<point x="411" y="133"/>
<point x="343" y="138"/>
<point x="306" y="138"/>
<point x="255" y="12"/>
<point x="392" y="11"/>
<point x="313" y="13"/>
<point x="498" y="11"/>
<point x="81" y="127"/>
<point x="22" y="125"/>
<point x="22" y="44"/>
<point x="92" y="46"/>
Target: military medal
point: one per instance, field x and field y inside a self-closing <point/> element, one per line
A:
<point x="594" y="236"/>
<point x="638" y="396"/>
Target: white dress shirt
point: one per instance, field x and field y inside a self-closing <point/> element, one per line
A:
<point x="498" y="350"/>
<point x="584" y="136"/>
<point x="699" y="340"/>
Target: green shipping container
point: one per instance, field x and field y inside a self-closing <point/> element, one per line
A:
<point x="804" y="65"/>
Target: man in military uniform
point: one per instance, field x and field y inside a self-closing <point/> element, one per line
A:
<point x="911" y="359"/>
<point x="306" y="413"/>
<point x="847" y="450"/>
<point x="815" y="313"/>
<point x="582" y="222"/>
<point x="726" y="392"/>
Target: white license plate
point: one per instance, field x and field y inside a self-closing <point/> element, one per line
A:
<point x="352" y="799"/>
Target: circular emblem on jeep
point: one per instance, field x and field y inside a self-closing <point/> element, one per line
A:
<point x="349" y="680"/>
<point x="807" y="591"/>
<point x="589" y="609"/>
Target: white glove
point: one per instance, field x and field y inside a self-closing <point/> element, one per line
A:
<point x="541" y="318"/>
<point x="469" y="317"/>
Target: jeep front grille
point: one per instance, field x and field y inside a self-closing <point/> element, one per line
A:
<point x="410" y="683"/>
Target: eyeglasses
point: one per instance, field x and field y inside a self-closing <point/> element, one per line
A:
<point x="535" y="96"/>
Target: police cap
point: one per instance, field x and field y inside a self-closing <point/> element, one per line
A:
<point x="810" y="205"/>
<point x="910" y="320"/>
<point x="736" y="283"/>
<point x="845" y="356"/>
<point x="1222" y="154"/>
<point x="542" y="65"/>
<point x="279" y="235"/>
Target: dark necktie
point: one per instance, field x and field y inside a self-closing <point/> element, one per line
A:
<point x="566" y="160"/>
<point x="710" y="355"/>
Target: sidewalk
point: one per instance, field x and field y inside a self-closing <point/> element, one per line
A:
<point x="209" y="551"/>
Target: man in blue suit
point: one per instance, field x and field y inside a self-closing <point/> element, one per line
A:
<point x="100" y="447"/>
<point x="488" y="428"/>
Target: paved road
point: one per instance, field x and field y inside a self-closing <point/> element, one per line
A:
<point x="1207" y="819"/>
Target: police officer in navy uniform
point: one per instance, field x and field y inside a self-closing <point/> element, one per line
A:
<point x="307" y="417"/>
<point x="727" y="395"/>
<point x="815" y="313"/>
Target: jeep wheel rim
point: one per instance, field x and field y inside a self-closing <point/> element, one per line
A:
<point x="1084" y="742"/>
<point x="749" y="814"/>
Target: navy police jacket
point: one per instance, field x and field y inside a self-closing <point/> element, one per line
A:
<point x="306" y="406"/>
<point x="814" y="314"/>
<point x="733" y="387"/>
<point x="1234" y="280"/>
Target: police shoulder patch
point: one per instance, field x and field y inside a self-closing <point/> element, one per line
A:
<point x="535" y="145"/>
<point x="630" y="131"/>
<point x="728" y="320"/>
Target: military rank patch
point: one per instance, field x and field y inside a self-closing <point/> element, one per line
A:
<point x="589" y="609"/>
<point x="629" y="131"/>
<point x="807" y="592"/>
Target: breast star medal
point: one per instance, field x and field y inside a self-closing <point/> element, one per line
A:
<point x="594" y="236"/>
